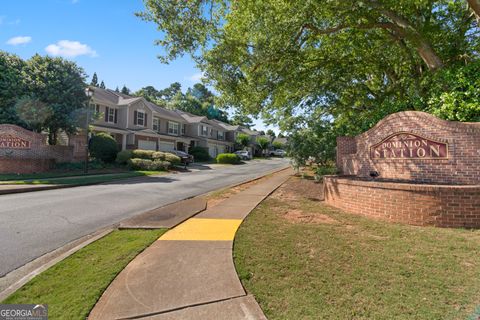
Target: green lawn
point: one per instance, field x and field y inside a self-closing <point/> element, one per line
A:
<point x="304" y="260"/>
<point x="72" y="287"/>
<point x="74" y="179"/>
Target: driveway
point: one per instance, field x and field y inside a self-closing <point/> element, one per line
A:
<point x="36" y="223"/>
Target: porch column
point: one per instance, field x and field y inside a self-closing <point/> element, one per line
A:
<point x="124" y="142"/>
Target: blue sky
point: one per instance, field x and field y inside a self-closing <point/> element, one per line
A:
<point x="102" y="36"/>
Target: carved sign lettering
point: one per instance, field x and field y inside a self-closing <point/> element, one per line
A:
<point x="8" y="141"/>
<point x="408" y="146"/>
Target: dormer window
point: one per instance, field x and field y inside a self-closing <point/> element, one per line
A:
<point x="139" y="118"/>
<point x="221" y="135"/>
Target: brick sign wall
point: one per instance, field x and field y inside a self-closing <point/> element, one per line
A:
<point x="414" y="146"/>
<point x="24" y="151"/>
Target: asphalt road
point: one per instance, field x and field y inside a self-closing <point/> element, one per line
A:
<point x="32" y="224"/>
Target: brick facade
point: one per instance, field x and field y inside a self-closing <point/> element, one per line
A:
<point x="416" y="204"/>
<point x="440" y="188"/>
<point x="38" y="156"/>
<point x="461" y="166"/>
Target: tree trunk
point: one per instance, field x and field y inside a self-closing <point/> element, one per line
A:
<point x="475" y="6"/>
<point x="52" y="137"/>
<point x="429" y="56"/>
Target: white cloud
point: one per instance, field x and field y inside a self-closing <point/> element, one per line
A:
<point x="70" y="49"/>
<point x="15" y="41"/>
<point x="196" y="77"/>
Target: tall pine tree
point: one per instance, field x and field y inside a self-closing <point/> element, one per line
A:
<point x="94" y="81"/>
<point x="102" y="85"/>
<point x="125" y="90"/>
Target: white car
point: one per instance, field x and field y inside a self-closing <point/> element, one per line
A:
<point x="243" y="154"/>
<point x="278" y="153"/>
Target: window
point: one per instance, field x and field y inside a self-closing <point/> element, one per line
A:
<point x="95" y="107"/>
<point x="211" y="132"/>
<point x="183" y="128"/>
<point x="173" y="128"/>
<point x="156" y="124"/>
<point x="139" y="118"/>
<point x="111" y="115"/>
<point x="221" y="135"/>
<point x="203" y="131"/>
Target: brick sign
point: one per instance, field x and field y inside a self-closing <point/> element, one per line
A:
<point x="8" y="141"/>
<point x="408" y="146"/>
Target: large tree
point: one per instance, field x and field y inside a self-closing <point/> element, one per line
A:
<point x="58" y="85"/>
<point x="356" y="60"/>
<point x="12" y="86"/>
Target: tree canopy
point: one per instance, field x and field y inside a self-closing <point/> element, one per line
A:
<point x="346" y="64"/>
<point x="42" y="93"/>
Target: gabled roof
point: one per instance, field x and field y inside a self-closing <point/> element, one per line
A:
<point x="163" y="112"/>
<point x="105" y="95"/>
<point x="191" y="118"/>
<point x="249" y="132"/>
<point x="225" y="126"/>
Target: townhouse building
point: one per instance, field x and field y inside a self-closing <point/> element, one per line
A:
<point x="136" y="123"/>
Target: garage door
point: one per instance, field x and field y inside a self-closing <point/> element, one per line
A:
<point x="166" y="146"/>
<point x="147" y="145"/>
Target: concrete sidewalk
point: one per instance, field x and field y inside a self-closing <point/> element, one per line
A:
<point x="189" y="272"/>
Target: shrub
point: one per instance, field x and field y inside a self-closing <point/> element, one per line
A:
<point x="228" y="158"/>
<point x="103" y="147"/>
<point x="164" y="164"/>
<point x="324" y="171"/>
<point x="199" y="153"/>
<point x="158" y="156"/>
<point x="142" y="154"/>
<point x="123" y="156"/>
<point x="173" y="159"/>
<point x="148" y="165"/>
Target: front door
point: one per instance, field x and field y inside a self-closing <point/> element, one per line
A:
<point x="180" y="146"/>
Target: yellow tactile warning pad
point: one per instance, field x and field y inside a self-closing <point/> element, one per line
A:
<point x="204" y="229"/>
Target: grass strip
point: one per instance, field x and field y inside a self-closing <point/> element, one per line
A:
<point x="72" y="287"/>
<point x="304" y="260"/>
<point x="86" y="179"/>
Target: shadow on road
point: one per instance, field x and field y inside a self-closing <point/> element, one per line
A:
<point x="145" y="179"/>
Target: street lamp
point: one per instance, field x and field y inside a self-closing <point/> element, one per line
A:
<point x="89" y="94"/>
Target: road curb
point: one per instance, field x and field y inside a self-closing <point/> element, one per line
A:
<point x="15" y="279"/>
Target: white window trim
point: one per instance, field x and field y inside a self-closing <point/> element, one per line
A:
<point x="143" y="118"/>
<point x="156" y="119"/>
<point x="201" y="132"/>
<point x="173" y="128"/>
<point x="111" y="113"/>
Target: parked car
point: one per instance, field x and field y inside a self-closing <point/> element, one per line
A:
<point x="184" y="157"/>
<point x="278" y="153"/>
<point x="244" y="154"/>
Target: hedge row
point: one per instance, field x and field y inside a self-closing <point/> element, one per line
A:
<point x="124" y="156"/>
<point x="228" y="158"/>
<point x="149" y="165"/>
